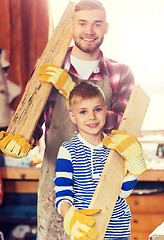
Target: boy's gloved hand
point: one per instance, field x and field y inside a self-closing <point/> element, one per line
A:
<point x="14" y="145"/>
<point x="58" y="77"/>
<point x="78" y="224"/>
<point x="129" y="148"/>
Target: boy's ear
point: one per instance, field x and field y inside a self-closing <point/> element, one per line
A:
<point x="71" y="115"/>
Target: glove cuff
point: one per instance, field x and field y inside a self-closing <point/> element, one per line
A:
<point x="67" y="218"/>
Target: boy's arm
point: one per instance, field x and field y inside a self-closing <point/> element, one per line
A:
<point x="77" y="223"/>
<point x="128" y="185"/>
<point x="64" y="208"/>
<point x="64" y="178"/>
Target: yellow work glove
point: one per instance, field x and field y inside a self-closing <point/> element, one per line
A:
<point x="58" y="77"/>
<point x="78" y="224"/>
<point x="14" y="145"/>
<point x="129" y="148"/>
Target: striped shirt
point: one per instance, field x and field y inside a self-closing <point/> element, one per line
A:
<point x="78" y="169"/>
<point x="121" y="82"/>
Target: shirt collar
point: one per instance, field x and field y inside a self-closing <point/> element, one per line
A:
<point x="99" y="71"/>
<point x="89" y="144"/>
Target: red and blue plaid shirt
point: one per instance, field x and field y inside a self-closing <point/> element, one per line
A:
<point x="121" y="81"/>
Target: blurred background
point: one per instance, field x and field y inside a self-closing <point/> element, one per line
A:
<point x="135" y="37"/>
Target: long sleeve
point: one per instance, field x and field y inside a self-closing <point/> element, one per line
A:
<point x="128" y="185"/>
<point x="64" y="180"/>
<point x="122" y="83"/>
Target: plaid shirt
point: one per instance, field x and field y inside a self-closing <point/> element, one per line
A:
<point x="121" y="81"/>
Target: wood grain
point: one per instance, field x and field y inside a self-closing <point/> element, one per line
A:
<point x="36" y="94"/>
<point x="110" y="182"/>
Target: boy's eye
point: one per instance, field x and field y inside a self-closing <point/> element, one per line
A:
<point x="98" y="109"/>
<point x="82" y="112"/>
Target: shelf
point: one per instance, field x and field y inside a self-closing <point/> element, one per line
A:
<point x="152" y="175"/>
<point x="20" y="173"/>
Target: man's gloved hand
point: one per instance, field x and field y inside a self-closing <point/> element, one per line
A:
<point x="14" y="145"/>
<point x="129" y="148"/>
<point x="78" y="224"/>
<point x="58" y="77"/>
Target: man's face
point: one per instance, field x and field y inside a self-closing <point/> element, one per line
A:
<point x="89" y="27"/>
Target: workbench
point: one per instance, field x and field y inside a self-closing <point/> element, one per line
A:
<point x="147" y="207"/>
<point x="25" y="180"/>
<point x="20" y="180"/>
<point x="147" y="204"/>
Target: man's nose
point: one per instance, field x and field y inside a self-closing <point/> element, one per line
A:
<point x="89" y="29"/>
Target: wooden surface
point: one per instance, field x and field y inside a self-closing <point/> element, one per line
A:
<point x="33" y="101"/>
<point x="32" y="173"/>
<point x="106" y="195"/>
<point x="20" y="186"/>
<point x="20" y="180"/>
<point x="30" y="177"/>
<point x="146" y="203"/>
<point x="152" y="175"/>
<point x="147" y="213"/>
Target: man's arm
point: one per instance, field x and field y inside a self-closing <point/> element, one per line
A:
<point x="122" y="83"/>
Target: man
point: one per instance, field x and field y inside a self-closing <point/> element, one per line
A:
<point x="84" y="61"/>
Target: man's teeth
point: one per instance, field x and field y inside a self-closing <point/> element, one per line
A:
<point x="88" y="39"/>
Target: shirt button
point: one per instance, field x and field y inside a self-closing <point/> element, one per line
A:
<point x="95" y="168"/>
<point x="67" y="67"/>
<point x="95" y="153"/>
<point x="96" y="70"/>
<point x="95" y="160"/>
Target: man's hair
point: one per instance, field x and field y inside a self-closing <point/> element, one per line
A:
<point x="88" y="5"/>
<point x="85" y="90"/>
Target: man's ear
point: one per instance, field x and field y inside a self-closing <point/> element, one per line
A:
<point x="71" y="115"/>
<point x="106" y="28"/>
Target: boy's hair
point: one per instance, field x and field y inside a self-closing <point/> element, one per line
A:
<point x="84" y="90"/>
<point x="88" y="5"/>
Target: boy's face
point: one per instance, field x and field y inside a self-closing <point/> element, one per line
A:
<point x="89" y="27"/>
<point x="89" y="115"/>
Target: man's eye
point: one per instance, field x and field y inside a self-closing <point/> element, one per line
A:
<point x="98" y="25"/>
<point x="82" y="24"/>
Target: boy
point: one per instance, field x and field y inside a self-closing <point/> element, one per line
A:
<point x="80" y="163"/>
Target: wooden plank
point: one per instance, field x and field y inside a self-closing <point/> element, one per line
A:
<point x="110" y="182"/>
<point x="36" y="94"/>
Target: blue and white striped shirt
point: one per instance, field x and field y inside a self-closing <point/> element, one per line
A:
<point x="78" y="169"/>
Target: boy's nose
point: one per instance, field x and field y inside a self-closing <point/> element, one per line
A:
<point x="91" y="115"/>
